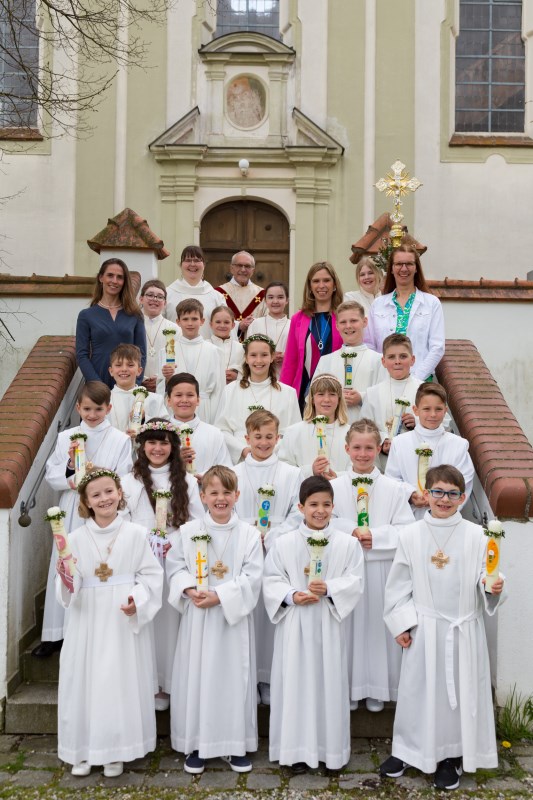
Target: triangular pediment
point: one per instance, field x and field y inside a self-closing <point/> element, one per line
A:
<point x="184" y="132"/>
<point x="246" y="42"/>
<point x="309" y="134"/>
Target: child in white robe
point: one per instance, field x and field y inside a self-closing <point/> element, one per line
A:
<point x="325" y="411"/>
<point x="407" y="465"/>
<point x="222" y="326"/>
<point x="106" y="712"/>
<point x="355" y="365"/>
<point x="310" y="709"/>
<point x="104" y="445"/>
<point x="258" y="389"/>
<point x="275" y="323"/>
<point x="434" y="604"/>
<point x="389" y="403"/>
<point x="195" y="355"/>
<point x="213" y="697"/>
<point x="125" y="368"/>
<point x="158" y="467"/>
<point x="373" y="658"/>
<point x="152" y="300"/>
<point x="274" y="514"/>
<point x="202" y="445"/>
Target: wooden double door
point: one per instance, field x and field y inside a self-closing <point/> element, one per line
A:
<point x="248" y="225"/>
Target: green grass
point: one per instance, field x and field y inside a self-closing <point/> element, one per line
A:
<point x="515" y="719"/>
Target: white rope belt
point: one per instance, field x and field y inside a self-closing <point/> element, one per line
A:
<point x="113" y="580"/>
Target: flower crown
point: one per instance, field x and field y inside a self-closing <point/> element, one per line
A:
<point x="98" y="472"/>
<point x="327" y="375"/>
<point x="160" y="425"/>
<point x="259" y="337"/>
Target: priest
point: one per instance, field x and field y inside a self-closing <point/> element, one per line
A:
<point x="246" y="299"/>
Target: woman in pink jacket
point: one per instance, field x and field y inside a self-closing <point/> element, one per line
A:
<point x="313" y="332"/>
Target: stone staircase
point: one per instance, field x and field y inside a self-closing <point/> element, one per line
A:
<point x="32" y="706"/>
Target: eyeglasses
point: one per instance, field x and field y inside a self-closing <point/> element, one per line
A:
<point x="160" y="297"/>
<point x="192" y="261"/>
<point x="404" y="264"/>
<point x="438" y="494"/>
<point x="243" y="266"/>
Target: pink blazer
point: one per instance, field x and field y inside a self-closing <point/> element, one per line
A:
<point x="294" y="358"/>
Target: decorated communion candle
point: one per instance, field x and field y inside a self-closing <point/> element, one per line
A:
<point x="55" y="517"/>
<point x="185" y="439"/>
<point x="263" y="513"/>
<point x="424" y="453"/>
<point x="170" y="345"/>
<point x="400" y="406"/>
<point x="136" y="415"/>
<point x="362" y="508"/>
<point x="495" y="533"/>
<point x="161" y="508"/>
<point x="80" y="460"/>
<point x="320" y="433"/>
<point x="201" y="562"/>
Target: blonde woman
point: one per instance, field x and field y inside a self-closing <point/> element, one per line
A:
<point x="368" y="277"/>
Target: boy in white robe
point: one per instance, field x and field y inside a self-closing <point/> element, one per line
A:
<point x="307" y="600"/>
<point x="373" y="657"/>
<point x="434" y="603"/>
<point x="104" y="445"/>
<point x="152" y="300"/>
<point x="389" y="403"/>
<point x="407" y="465"/>
<point x="206" y="443"/>
<point x="355" y="365"/>
<point x="106" y="712"/>
<point x="197" y="356"/>
<point x="213" y="698"/>
<point x="274" y="514"/>
<point x="125" y="368"/>
<point x="222" y="324"/>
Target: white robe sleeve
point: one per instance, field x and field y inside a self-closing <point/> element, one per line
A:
<point x="238" y="597"/>
<point x="154" y="406"/>
<point x="345" y="591"/>
<point x="55" y="473"/>
<point x="435" y="344"/>
<point x="385" y="537"/>
<point x="393" y="469"/>
<point x="276" y="586"/>
<point x="124" y="461"/>
<point x="178" y="576"/>
<point x="148" y="589"/>
<point x="399" y="610"/>
<point x="196" y="509"/>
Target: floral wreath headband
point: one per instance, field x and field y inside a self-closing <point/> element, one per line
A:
<point x="161" y="425"/>
<point x="325" y="375"/>
<point x="99" y="472"/>
<point x="260" y="337"/>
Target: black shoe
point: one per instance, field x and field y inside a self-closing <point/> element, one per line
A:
<point x="194" y="765"/>
<point x="448" y="773"/>
<point x="238" y="763"/>
<point x="300" y="768"/>
<point x="393" y="768"/>
<point x="46" y="649"/>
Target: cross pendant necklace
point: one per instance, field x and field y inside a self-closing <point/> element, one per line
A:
<point x="104" y="571"/>
<point x="439" y="558"/>
<point x="219" y="569"/>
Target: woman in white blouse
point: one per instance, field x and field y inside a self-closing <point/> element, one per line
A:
<point x="368" y="277"/>
<point x="407" y="306"/>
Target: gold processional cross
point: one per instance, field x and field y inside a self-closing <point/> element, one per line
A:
<point x="397" y="184"/>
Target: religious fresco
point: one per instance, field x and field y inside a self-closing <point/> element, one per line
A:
<point x="246" y="101"/>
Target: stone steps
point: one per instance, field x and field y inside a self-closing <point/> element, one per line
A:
<point x="32" y="707"/>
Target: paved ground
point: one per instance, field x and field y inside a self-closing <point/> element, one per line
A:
<point x="29" y="768"/>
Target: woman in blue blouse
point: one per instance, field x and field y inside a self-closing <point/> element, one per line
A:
<point x="113" y="318"/>
<point x="408" y="306"/>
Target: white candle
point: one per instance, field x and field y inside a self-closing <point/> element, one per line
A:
<point x="80" y="460"/>
<point x="495" y="533"/>
<point x="55" y="517"/>
<point x="170" y="345"/>
<point x="362" y="508"/>
<point x="202" y="565"/>
<point x="400" y="405"/>
<point x="424" y="453"/>
<point x="136" y="415"/>
<point x="161" y="509"/>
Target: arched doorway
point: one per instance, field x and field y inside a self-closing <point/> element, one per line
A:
<point x="246" y="225"/>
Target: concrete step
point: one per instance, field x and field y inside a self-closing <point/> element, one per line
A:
<point x="39" y="670"/>
<point x="33" y="709"/>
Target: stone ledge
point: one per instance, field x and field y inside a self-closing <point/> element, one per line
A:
<point x="502" y="455"/>
<point x="27" y="410"/>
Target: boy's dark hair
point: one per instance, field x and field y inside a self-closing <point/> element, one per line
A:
<point x="97" y="391"/>
<point x="429" y="387"/>
<point x="447" y="474"/>
<point x="192" y="251"/>
<point x="126" y="352"/>
<point x="157" y="284"/>
<point x="395" y="339"/>
<point x="189" y="306"/>
<point x="219" y="309"/>
<point x="313" y="485"/>
<point x="182" y="377"/>
<point x="278" y="285"/>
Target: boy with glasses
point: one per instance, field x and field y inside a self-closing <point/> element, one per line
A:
<point x="434" y="602"/>
<point x="152" y="301"/>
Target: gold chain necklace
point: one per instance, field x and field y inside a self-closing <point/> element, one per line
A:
<point x="185" y="361"/>
<point x="152" y="350"/>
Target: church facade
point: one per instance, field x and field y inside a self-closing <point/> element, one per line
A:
<point x="265" y="124"/>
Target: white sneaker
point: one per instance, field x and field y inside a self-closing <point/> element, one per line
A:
<point x="81" y="770"/>
<point x="114" y="769"/>
<point x="264" y="690"/>
<point x="374" y="705"/>
<point x="354" y="705"/>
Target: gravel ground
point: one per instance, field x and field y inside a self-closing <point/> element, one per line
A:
<point x="29" y="768"/>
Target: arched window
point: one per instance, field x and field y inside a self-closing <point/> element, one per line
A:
<point x="490" y="67"/>
<point x="261" y="16"/>
<point x="19" y="64"/>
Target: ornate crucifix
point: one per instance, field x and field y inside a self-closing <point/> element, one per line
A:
<point x="397" y="184"/>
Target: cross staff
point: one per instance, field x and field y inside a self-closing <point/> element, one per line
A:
<point x="397" y="184"/>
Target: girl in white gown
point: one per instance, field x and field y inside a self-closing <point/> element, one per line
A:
<point x="159" y="468"/>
